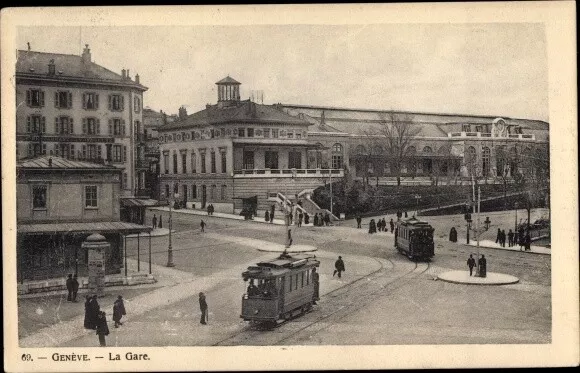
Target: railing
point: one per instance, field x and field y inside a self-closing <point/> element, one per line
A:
<point x="293" y="172"/>
<point x="521" y="136"/>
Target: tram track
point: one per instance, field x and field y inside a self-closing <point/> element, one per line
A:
<point x="359" y="295"/>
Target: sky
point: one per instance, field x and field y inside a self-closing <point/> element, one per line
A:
<point x="488" y="69"/>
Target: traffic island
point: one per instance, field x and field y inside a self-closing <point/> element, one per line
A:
<point x="463" y="277"/>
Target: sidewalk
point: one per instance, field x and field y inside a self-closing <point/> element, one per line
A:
<point x="257" y="219"/>
<point x="492" y="245"/>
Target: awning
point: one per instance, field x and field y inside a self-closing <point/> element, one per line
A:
<point x="95" y="227"/>
<point x="138" y="202"/>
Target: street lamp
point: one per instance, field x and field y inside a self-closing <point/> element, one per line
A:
<point x="417" y="197"/>
<point x="516" y="221"/>
<point x="170" y="248"/>
<point x="468" y="221"/>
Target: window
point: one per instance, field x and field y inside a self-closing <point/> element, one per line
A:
<point x="250" y="132"/>
<point x="465" y="128"/>
<point x="470" y="157"/>
<point x="166" y="162"/>
<point x="39" y="197"/>
<point x="241" y="132"/>
<point x="90" y="101"/>
<point x="116" y="102"/>
<point x="294" y="160"/>
<point x="266" y="133"/>
<point x="289" y="284"/>
<point x="500" y="160"/>
<point x="167" y="191"/>
<point x="248" y="160"/>
<point x="174" y="163"/>
<point x="275" y="133"/>
<point x="91" y="126"/>
<point x="117" y="153"/>
<point x="35" y="98"/>
<point x="91" y="151"/>
<point x="223" y="192"/>
<point x="290" y="134"/>
<point x="137" y="104"/>
<point x="224" y="162"/>
<point x="184" y="162"/>
<point x="298" y="135"/>
<point x="175" y="188"/>
<point x="271" y="159"/>
<point x="427" y="149"/>
<point x="212" y="133"/>
<point x="117" y="127"/>
<point x="36" y="149"/>
<point x="35" y="124"/>
<point x="212" y="192"/>
<point x="63" y="125"/>
<point x="212" y="160"/>
<point x="202" y="159"/>
<point x="485" y="161"/>
<point x="63" y="100"/>
<point x="337" y="156"/>
<point x="193" y="167"/>
<point x="125" y="183"/>
<point x="63" y="150"/>
<point x="302" y="281"/>
<point x="91" y="196"/>
<point x="194" y="191"/>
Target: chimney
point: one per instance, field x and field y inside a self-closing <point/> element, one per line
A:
<point x="28" y="43"/>
<point x="182" y="112"/>
<point x="128" y="77"/>
<point x="86" y="54"/>
<point x="51" y="69"/>
<point x="124" y="74"/>
<point x="137" y="78"/>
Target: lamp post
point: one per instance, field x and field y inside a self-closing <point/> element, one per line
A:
<point x="170" y="248"/>
<point x="417" y="198"/>
<point x="516" y="221"/>
<point x="468" y="221"/>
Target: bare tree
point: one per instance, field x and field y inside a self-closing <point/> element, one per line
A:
<point x="397" y="132"/>
<point x="372" y="141"/>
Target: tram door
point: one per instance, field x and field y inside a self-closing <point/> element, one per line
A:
<point x="281" y="291"/>
<point x="203" y="196"/>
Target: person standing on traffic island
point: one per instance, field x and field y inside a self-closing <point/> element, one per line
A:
<point x="338" y="267"/>
<point x="482" y="266"/>
<point x="118" y="311"/>
<point x="498" y="236"/>
<point x="75" y="286"/>
<point x="471" y="264"/>
<point x="160" y="222"/>
<point x="453" y="235"/>
<point x="203" y="309"/>
<point x="202" y="225"/>
<point x="69" y="287"/>
<point x="102" y="328"/>
<point x="358" y="221"/>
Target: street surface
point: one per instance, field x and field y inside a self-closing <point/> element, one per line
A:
<point x="382" y="298"/>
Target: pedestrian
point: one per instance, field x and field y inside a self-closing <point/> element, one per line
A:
<point x="380" y="225"/>
<point x="327" y="219"/>
<point x="69" y="287"/>
<point x="338" y="267"/>
<point x="267" y="216"/>
<point x="289" y="239"/>
<point x="154" y="221"/>
<point x="399" y="214"/>
<point x="208" y="209"/>
<point x="316" y="220"/>
<point x="358" y="221"/>
<point x="392" y="224"/>
<point x="75" y="288"/>
<point x="203" y="309"/>
<point x="88" y="317"/>
<point x="94" y="310"/>
<point x="471" y="264"/>
<point x="160" y="222"/>
<point x="406" y="214"/>
<point x="290" y="217"/>
<point x="503" y="238"/>
<point x="482" y="266"/>
<point x="102" y="328"/>
<point x="453" y="235"/>
<point x="372" y="227"/>
<point x="212" y="209"/>
<point x="498" y="236"/>
<point x="510" y="238"/>
<point x="521" y="237"/>
<point x="306" y="218"/>
<point x="272" y="209"/>
<point x="202" y="225"/>
<point x="300" y="217"/>
<point x="118" y="311"/>
<point x="527" y="242"/>
<point x="316" y="283"/>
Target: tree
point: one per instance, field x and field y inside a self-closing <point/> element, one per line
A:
<point x="533" y="178"/>
<point x="398" y="133"/>
<point x="368" y="154"/>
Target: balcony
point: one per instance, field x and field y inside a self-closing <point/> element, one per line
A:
<point x="289" y="173"/>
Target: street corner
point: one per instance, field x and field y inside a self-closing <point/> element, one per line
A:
<point x="463" y="277"/>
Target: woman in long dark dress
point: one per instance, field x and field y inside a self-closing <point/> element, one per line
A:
<point x="372" y="227"/>
<point x="102" y="328"/>
<point x="88" y="317"/>
<point x="306" y="218"/>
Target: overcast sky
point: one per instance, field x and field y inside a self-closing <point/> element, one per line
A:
<point x="493" y="69"/>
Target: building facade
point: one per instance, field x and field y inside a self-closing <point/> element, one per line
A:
<point x="70" y="107"/>
<point x="51" y="228"/>
<point x="237" y="154"/>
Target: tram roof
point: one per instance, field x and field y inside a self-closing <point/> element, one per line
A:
<point x="413" y="221"/>
<point x="278" y="266"/>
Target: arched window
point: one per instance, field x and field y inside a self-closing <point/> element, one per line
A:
<point x="513" y="161"/>
<point x="500" y="160"/>
<point x="470" y="158"/>
<point x="212" y="193"/>
<point x="377" y="150"/>
<point x="444" y="151"/>
<point x="359" y="150"/>
<point x="337" y="157"/>
<point x="411" y="162"/>
<point x="485" y="161"/>
<point x="527" y="159"/>
<point x="427" y="149"/>
<point x="223" y="192"/>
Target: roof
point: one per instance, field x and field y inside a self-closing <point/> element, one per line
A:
<point x="36" y="64"/>
<point x="59" y="163"/>
<point x="228" y="80"/>
<point x="242" y="112"/>
<point x="130" y="202"/>
<point x="99" y="227"/>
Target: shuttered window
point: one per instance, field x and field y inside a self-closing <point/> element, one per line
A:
<point x="35" y="98"/>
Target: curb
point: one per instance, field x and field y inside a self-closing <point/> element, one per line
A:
<point x="497" y="248"/>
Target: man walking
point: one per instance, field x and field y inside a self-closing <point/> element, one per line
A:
<point x="102" y="328"/>
<point x="75" y="286"/>
<point x="202" y="225"/>
<point x="118" y="311"/>
<point x="272" y="210"/>
<point x="471" y="264"/>
<point x="203" y="309"/>
<point x="338" y="267"/>
<point x="358" y="221"/>
<point x="69" y="287"/>
<point x="300" y="217"/>
<point x="498" y="236"/>
<point x="154" y="221"/>
<point x="392" y="224"/>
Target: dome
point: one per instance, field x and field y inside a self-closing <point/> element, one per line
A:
<point x="95" y="237"/>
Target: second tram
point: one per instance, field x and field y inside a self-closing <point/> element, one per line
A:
<point x="414" y="238"/>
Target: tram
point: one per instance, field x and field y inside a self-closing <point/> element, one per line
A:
<point x="414" y="238"/>
<point x="280" y="289"/>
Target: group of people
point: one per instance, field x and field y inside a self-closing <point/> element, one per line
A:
<point x="210" y="209"/>
<point x="154" y="222"/>
<point x="522" y="238"/>
<point x="380" y="226"/>
<point x="96" y="319"/>
<point x="482" y="263"/>
<point x="321" y="219"/>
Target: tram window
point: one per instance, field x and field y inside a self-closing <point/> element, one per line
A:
<point x="302" y="279"/>
<point x="289" y="284"/>
<point x="296" y="282"/>
<point x="308" y="277"/>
